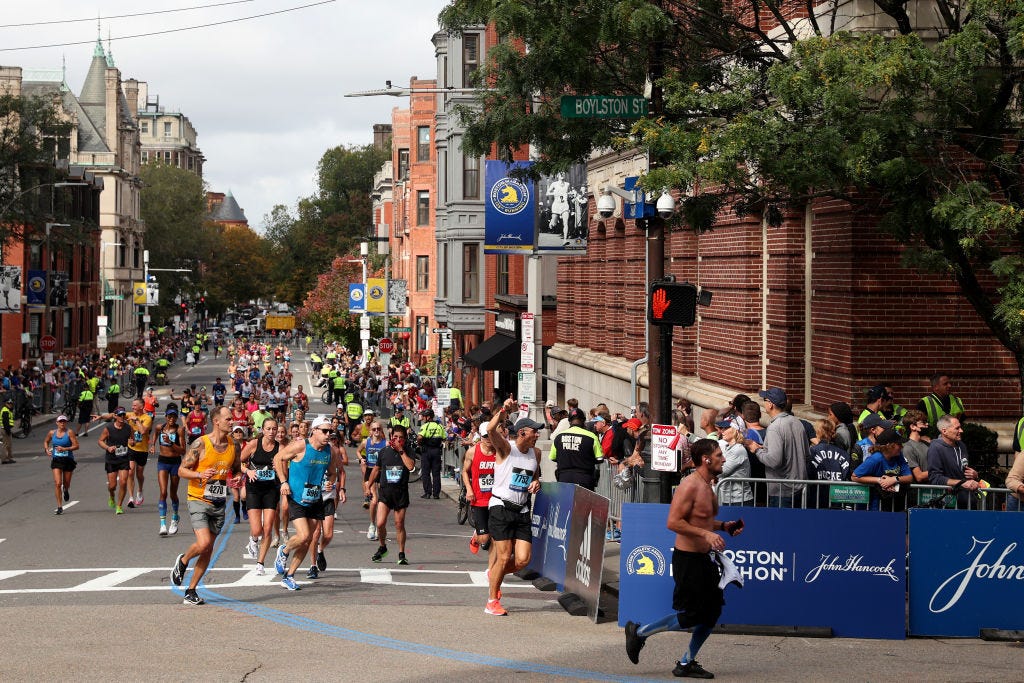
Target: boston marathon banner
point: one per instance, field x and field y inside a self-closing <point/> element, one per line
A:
<point x="823" y="568"/>
<point x="509" y="209"/>
<point x="966" y="572"/>
<point x="552" y="508"/>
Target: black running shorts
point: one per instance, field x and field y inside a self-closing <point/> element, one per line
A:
<point x="509" y="525"/>
<point x="65" y="464"/>
<point x="395" y="497"/>
<point x="313" y="511"/>
<point x="697" y="597"/>
<point x="259" y="498"/>
<point x="481" y="518"/>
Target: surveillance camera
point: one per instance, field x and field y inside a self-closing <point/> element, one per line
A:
<point x="606" y="205"/>
<point x="666" y="205"/>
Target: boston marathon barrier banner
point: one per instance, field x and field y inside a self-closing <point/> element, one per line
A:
<point x="585" y="559"/>
<point x="966" y="572"/>
<point x="552" y="508"/>
<point x="826" y="568"/>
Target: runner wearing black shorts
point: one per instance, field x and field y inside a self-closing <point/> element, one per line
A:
<point x="392" y="473"/>
<point x="262" y="492"/>
<point x="114" y="442"/>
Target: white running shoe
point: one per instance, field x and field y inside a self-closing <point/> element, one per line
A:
<point x="163" y="529"/>
<point x="173" y="528"/>
<point x="260" y="570"/>
<point x="252" y="549"/>
<point x="371" y="533"/>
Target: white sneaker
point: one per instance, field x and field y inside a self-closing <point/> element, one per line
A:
<point x="371" y="533"/>
<point x="260" y="570"/>
<point x="173" y="528"/>
<point x="252" y="549"/>
<point x="163" y="529"/>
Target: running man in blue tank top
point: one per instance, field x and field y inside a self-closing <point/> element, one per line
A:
<point x="301" y="467"/>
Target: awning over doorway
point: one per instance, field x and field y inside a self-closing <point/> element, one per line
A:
<point x="498" y="352"/>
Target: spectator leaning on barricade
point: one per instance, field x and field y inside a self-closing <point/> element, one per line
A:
<point x="737" y="464"/>
<point x="940" y="401"/>
<point x="947" y="461"/>
<point x="828" y="462"/>
<point x="915" y="450"/>
<point x="1015" y="479"/>
<point x="888" y="471"/>
<point x="785" y="450"/>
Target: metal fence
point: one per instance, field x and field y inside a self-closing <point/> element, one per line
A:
<point x="615" y="495"/>
<point x="848" y="495"/>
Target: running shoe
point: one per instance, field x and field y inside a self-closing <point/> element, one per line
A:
<point x="173" y="528"/>
<point x="58" y="511"/>
<point x="474" y="545"/>
<point x="381" y="553"/>
<point x="366" y="502"/>
<point x="118" y="510"/>
<point x="691" y="670"/>
<point x="131" y="502"/>
<point x="252" y="549"/>
<point x="163" y="529"/>
<point x="260" y="569"/>
<point x="401" y="559"/>
<point x="281" y="561"/>
<point x="494" y="608"/>
<point x="371" y="533"/>
<point x="634" y="642"/>
<point x="179" y="569"/>
<point x="321" y="560"/>
<point x="313" y="572"/>
<point x="289" y="583"/>
<point x="138" y="500"/>
<point x="67" y="494"/>
<point x="192" y="598"/>
<point x="111" y="503"/>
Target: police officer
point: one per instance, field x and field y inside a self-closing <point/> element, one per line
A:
<point x="113" y="395"/>
<point x="577" y="453"/>
<point x="141" y="379"/>
<point x="431" y="441"/>
<point x="7" y="422"/>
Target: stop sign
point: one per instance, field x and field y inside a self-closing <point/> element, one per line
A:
<point x="47" y="342"/>
<point x="386" y="345"/>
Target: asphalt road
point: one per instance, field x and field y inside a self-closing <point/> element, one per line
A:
<point x="86" y="596"/>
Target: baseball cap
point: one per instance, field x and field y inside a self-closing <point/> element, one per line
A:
<point x="369" y="412"/>
<point x="62" y="418"/>
<point x="341" y="405"/>
<point x="737" y="423"/>
<point x="874" y="420"/>
<point x="483" y="430"/>
<point x="525" y="422"/>
<point x="238" y="428"/>
<point x="876" y="392"/>
<point x="633" y="423"/>
<point x="775" y="395"/>
<point x="577" y="414"/>
<point x="120" y="410"/>
<point x="889" y="436"/>
<point x="320" y="422"/>
<point x="400" y="408"/>
<point x="597" y="418"/>
<point x="171" y="411"/>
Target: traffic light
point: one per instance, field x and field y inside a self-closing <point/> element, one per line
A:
<point x="672" y="303"/>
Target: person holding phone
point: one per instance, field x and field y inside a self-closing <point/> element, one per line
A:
<point x="697" y="598"/>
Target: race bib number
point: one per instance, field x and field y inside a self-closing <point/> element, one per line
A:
<point x="120" y="451"/>
<point x="196" y="431"/>
<point x="486" y="482"/>
<point x="310" y="493"/>
<point x="393" y="475"/>
<point x="215" y="490"/>
<point x="520" y="479"/>
<point x="371" y="458"/>
<point x="266" y="474"/>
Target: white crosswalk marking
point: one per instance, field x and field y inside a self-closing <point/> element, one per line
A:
<point x="107" y="581"/>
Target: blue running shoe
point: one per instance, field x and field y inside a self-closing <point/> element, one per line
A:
<point x="281" y="561"/>
<point x="289" y="583"/>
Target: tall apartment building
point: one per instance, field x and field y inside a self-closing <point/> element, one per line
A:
<point x="166" y="137"/>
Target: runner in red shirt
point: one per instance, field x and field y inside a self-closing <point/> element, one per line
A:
<point x="478" y="476"/>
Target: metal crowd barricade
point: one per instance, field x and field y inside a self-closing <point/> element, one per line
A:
<point x="451" y="459"/>
<point x="615" y="495"/>
<point x="849" y="495"/>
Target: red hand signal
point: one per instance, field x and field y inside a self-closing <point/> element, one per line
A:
<point x="660" y="303"/>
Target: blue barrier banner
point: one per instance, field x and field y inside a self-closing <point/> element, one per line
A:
<point x="966" y="570"/>
<point x="585" y="561"/>
<point x="552" y="508"/>
<point x="826" y="568"/>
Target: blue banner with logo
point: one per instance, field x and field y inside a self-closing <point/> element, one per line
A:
<point x="357" y="298"/>
<point x="509" y="209"/>
<point x="552" y="508"/>
<point x="35" y="292"/>
<point x="824" y="568"/>
<point x="967" y="572"/>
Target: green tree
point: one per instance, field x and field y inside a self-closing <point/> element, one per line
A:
<point x="34" y="134"/>
<point x="237" y="269"/>
<point x="758" y="110"/>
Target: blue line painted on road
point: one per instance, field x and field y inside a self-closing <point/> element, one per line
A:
<point x="221" y="544"/>
<point x="319" y="627"/>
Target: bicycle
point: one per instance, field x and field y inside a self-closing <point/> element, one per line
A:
<point x="462" y="514"/>
<point x="23" y="414"/>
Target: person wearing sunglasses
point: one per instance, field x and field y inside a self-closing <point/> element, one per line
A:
<point x="301" y="467"/>
<point x="369" y="451"/>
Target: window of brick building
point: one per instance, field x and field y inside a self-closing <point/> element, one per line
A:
<point x="422" y="273"/>
<point x="442" y="259"/>
<point x="470" y="57"/>
<point x="403" y="164"/>
<point x="167" y="129"/>
<point x="423" y="143"/>
<point x="501" y="274"/>
<point x="422" y="340"/>
<point x="144" y="127"/>
<point x="423" y="207"/>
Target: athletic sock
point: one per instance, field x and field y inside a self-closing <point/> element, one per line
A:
<point x="700" y="634"/>
<point x="162" y="507"/>
<point x="174" y="507"/>
<point x="669" y="622"/>
<point x="235" y="505"/>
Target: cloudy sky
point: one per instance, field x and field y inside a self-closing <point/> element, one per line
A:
<point x="266" y="95"/>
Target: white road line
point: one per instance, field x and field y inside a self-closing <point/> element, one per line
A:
<point x="70" y="503"/>
<point x="2" y="540"/>
<point x="111" y="580"/>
